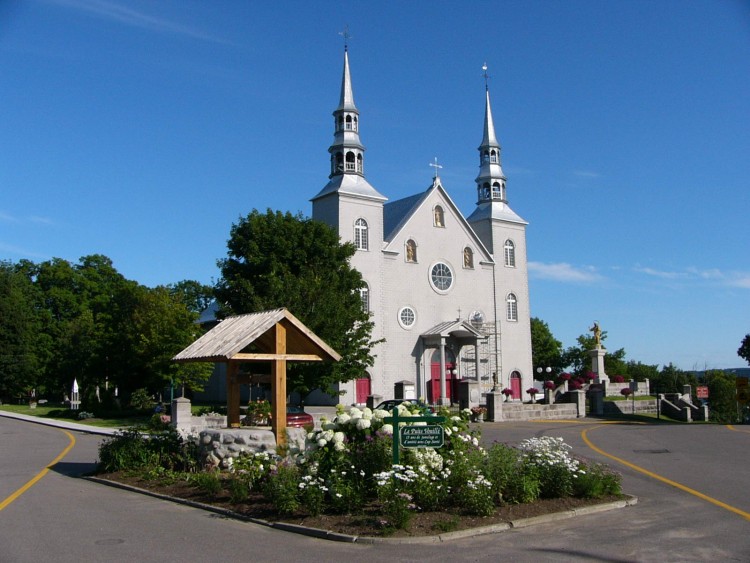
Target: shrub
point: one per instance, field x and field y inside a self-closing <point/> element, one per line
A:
<point x="556" y="470"/>
<point x="208" y="482"/>
<point x="524" y="488"/>
<point x="597" y="481"/>
<point x="130" y="449"/>
<point x="477" y="497"/>
<point x="501" y="468"/>
<point x="312" y="493"/>
<point x="141" y="400"/>
<point x="395" y="496"/>
<point x="281" y="488"/>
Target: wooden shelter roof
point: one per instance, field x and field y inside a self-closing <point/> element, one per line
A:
<point x="232" y="338"/>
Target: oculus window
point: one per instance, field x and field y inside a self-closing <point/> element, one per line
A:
<point x="407" y="317"/>
<point x="441" y="277"/>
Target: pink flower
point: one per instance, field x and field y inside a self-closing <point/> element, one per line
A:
<point x="507" y="392"/>
<point x="532" y="391"/>
<point x="549" y="384"/>
<point x="625" y="391"/>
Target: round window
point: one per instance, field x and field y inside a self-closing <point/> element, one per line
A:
<point x="441" y="277"/>
<point x="407" y="317"/>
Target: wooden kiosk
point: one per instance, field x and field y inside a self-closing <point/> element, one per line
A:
<point x="274" y="336"/>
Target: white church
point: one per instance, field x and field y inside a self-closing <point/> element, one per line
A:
<point x="448" y="294"/>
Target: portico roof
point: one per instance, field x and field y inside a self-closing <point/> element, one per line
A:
<point x="452" y="329"/>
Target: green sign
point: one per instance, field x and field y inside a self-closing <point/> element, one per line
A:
<point x="429" y="436"/>
<point x="395" y="419"/>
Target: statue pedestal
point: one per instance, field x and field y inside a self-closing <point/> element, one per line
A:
<point x="597" y="365"/>
<point x="494" y="406"/>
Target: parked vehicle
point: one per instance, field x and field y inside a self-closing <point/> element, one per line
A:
<point x="391" y="404"/>
<point x="296" y="417"/>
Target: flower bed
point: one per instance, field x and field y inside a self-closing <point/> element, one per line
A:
<point x="346" y="469"/>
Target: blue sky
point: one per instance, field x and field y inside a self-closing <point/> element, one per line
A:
<point x="142" y="130"/>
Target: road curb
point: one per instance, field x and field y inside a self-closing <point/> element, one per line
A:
<point x="347" y="538"/>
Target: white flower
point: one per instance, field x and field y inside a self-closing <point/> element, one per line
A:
<point x="343" y="418"/>
<point x="322" y="443"/>
<point x="366" y="413"/>
<point x="354" y="412"/>
<point x="363" y="423"/>
<point x="387" y="429"/>
<point x="338" y="437"/>
<point x="339" y="446"/>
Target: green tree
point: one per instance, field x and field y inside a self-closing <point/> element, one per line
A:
<point x="282" y="260"/>
<point x="162" y="325"/>
<point x="546" y="350"/>
<point x="19" y="325"/>
<point x="722" y="397"/>
<point x="638" y="371"/>
<point x="195" y="295"/>
<point x="672" y="379"/>
<point x="744" y="350"/>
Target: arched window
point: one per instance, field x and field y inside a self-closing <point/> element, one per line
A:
<point x="359" y="163"/>
<point x="354" y="123"/>
<point x="360" y="234"/>
<point x="439" y="217"/>
<point x="493" y="156"/>
<point x="339" y="162"/>
<point x="468" y="258"/>
<point x="510" y="254"/>
<point x="511" y="307"/>
<point x="485" y="156"/>
<point x="411" y="251"/>
<point x="348" y="122"/>
<point x="350" y="158"/>
<point x="339" y="123"/>
<point x="364" y="295"/>
<point x="496" y="191"/>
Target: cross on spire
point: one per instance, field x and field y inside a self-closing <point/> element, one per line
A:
<point x="486" y="76"/>
<point x="436" y="166"/>
<point x="345" y="34"/>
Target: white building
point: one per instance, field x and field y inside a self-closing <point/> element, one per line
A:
<point x="448" y="294"/>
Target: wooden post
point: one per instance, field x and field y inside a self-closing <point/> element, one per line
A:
<point x="233" y="395"/>
<point x="278" y="386"/>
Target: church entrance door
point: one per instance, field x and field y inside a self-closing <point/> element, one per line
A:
<point x="363" y="390"/>
<point x="515" y="385"/>
<point x="433" y="389"/>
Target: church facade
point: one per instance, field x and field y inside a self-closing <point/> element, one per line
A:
<point x="448" y="294"/>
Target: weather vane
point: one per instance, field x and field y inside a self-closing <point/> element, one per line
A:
<point x="486" y="76"/>
<point x="345" y="34"/>
<point x="436" y="166"/>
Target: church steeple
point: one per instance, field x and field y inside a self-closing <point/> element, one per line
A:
<point x="347" y="152"/>
<point x="491" y="180"/>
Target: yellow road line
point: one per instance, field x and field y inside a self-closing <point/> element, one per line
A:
<point x="731" y="427"/>
<point x="653" y="475"/>
<point x="41" y="474"/>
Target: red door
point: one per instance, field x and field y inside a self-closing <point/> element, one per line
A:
<point x="433" y="390"/>
<point x="515" y="385"/>
<point x="363" y="390"/>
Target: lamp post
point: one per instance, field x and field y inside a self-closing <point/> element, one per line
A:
<point x="548" y="370"/>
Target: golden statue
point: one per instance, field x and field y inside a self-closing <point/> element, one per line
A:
<point x="597" y="334"/>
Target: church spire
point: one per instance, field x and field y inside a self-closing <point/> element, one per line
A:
<point x="490" y="181"/>
<point x="347" y="152"/>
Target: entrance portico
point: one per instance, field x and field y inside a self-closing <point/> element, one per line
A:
<point x="447" y="339"/>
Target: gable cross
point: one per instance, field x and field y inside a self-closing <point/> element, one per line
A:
<point x="436" y="166"/>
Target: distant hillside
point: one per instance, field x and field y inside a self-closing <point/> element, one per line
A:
<point x="737" y="372"/>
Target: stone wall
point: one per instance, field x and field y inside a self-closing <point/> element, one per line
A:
<point x="220" y="445"/>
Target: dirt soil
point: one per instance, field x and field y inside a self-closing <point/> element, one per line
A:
<point x="368" y="522"/>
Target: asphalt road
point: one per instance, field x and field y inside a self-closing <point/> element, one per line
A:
<point x="691" y="481"/>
